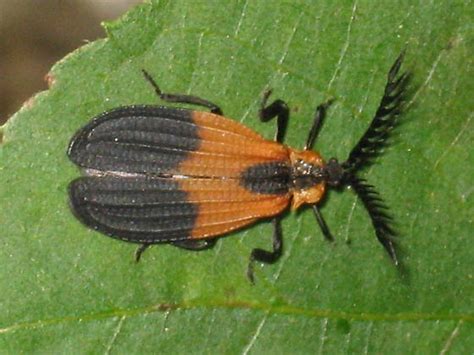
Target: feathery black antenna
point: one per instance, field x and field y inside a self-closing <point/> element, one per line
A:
<point x="391" y="106"/>
<point x="378" y="212"/>
<point x="369" y="146"/>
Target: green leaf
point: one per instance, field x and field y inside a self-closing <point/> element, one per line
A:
<point x="67" y="288"/>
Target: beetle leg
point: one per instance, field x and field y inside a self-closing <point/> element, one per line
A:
<point x="319" y="116"/>
<point x="181" y="98"/>
<point x="277" y="108"/>
<point x="266" y="256"/>
<point x="322" y="223"/>
<point x="140" y="250"/>
<point x="195" y="244"/>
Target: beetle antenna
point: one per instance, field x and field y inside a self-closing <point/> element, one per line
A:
<point x="370" y="146"/>
<point x="391" y="106"/>
<point x="378" y="212"/>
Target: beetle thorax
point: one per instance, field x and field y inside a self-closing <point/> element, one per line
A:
<point x="307" y="177"/>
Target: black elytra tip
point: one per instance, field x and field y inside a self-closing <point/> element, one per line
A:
<point x="127" y="139"/>
<point x="137" y="209"/>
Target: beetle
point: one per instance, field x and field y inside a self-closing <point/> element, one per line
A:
<point x="157" y="174"/>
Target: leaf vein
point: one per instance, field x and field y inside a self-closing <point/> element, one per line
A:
<point x="324" y="335"/>
<point x="118" y="328"/>
<point x="284" y="309"/>
<point x="241" y="19"/>
<point x="427" y="80"/>
<point x="449" y="341"/>
<point x="463" y="129"/>
<point x="256" y="334"/>
<point x="345" y="46"/>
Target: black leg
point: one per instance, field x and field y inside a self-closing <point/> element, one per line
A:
<point x="195" y="244"/>
<point x="322" y="223"/>
<point x="140" y="250"/>
<point x="185" y="99"/>
<point x="277" y="108"/>
<point x="317" y="123"/>
<point x="189" y="244"/>
<point x="264" y="255"/>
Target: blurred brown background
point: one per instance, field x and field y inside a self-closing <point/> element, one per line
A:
<point x="34" y="34"/>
